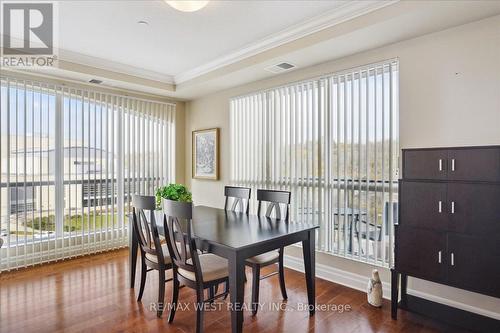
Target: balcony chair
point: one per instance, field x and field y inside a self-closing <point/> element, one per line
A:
<point x="368" y="230"/>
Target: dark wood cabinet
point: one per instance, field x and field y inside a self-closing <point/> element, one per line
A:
<point x="427" y="164"/>
<point x="449" y="219"/>
<point x="464" y="163"/>
<point x="474" y="263"/>
<point x="407" y="246"/>
<point x="426" y="248"/>
<point x="475" y="209"/>
<point x="482" y="164"/>
<point x="424" y="205"/>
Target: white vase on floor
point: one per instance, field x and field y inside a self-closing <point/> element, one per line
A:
<point x="374" y="290"/>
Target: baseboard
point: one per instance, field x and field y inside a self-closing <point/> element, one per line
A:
<point x="348" y="279"/>
<point x="360" y="282"/>
<point x="451" y="315"/>
<point x="454" y="304"/>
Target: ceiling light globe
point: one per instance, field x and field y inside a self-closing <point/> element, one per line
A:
<point x="187" y="6"/>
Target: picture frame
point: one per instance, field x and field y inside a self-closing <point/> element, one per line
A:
<point x="205" y="154"/>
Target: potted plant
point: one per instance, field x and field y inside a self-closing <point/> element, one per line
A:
<point x="176" y="195"/>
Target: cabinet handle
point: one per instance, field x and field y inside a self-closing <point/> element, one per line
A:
<point x="439" y="257"/>
<point x="440" y="206"/>
<point x="440" y="164"/>
<point x="453" y="207"/>
<point x="452" y="164"/>
<point x="452" y="259"/>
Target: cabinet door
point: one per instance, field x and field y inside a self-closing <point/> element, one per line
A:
<point x="476" y="263"/>
<point x="474" y="164"/>
<point x="423" y="205"/>
<point x="474" y="209"/>
<point x="421" y="253"/>
<point x="425" y="164"/>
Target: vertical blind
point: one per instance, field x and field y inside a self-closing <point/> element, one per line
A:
<point x="333" y="142"/>
<point x="70" y="161"/>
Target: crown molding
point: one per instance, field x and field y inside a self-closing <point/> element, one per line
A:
<point x="108" y="65"/>
<point x="104" y="64"/>
<point x="54" y="78"/>
<point x="342" y="13"/>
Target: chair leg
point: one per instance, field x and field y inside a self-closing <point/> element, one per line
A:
<point x="281" y="269"/>
<point x="211" y="293"/>
<point x="255" y="289"/>
<point x="199" y="310"/>
<point x="161" y="293"/>
<point x="143" y="279"/>
<point x="175" y="297"/>
<point x="226" y="289"/>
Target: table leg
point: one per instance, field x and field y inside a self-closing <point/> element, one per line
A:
<point x="309" y="248"/>
<point x="132" y="252"/>
<point x="237" y="292"/>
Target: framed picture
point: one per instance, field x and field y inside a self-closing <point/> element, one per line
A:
<point x="205" y="148"/>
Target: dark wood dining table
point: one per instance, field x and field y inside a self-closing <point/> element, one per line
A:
<point x="236" y="237"/>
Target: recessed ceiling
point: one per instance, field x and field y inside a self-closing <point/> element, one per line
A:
<point x="172" y="42"/>
<point x="229" y="43"/>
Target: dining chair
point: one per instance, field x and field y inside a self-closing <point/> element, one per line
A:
<point x="240" y="196"/>
<point x="241" y="201"/>
<point x="154" y="255"/>
<point x="197" y="271"/>
<point x="274" y="200"/>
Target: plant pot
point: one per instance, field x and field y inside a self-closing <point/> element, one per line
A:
<point x="178" y="209"/>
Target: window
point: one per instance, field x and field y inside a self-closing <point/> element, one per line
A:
<point x="333" y="142"/>
<point x="21" y="199"/>
<point x="70" y="161"/>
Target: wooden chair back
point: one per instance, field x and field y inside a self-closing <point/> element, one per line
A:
<point x="240" y="196"/>
<point x="181" y="243"/>
<point x="275" y="198"/>
<point x="146" y="230"/>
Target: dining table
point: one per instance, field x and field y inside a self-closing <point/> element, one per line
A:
<point x="237" y="237"/>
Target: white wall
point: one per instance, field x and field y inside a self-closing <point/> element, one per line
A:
<point x="449" y="96"/>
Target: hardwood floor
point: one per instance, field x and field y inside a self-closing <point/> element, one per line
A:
<point x="91" y="294"/>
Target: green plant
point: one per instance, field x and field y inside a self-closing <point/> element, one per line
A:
<point x="175" y="192"/>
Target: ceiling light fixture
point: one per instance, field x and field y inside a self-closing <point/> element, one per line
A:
<point x="142" y="22"/>
<point x="187" y="6"/>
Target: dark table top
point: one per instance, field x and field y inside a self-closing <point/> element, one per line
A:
<point x="237" y="230"/>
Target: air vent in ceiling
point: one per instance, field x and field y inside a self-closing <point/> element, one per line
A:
<point x="95" y="81"/>
<point x="280" y="68"/>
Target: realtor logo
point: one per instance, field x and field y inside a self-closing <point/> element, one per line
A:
<point x="28" y="34"/>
